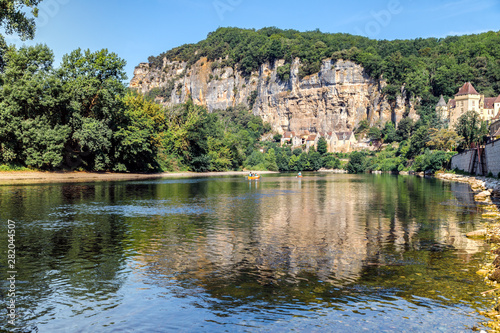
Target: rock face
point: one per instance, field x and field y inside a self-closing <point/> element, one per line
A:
<point x="335" y="99"/>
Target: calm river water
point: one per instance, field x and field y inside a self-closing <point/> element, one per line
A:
<point x="327" y="253"/>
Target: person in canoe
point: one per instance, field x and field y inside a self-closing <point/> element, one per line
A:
<point x="299" y="175"/>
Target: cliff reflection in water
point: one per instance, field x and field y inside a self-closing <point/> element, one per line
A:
<point x="336" y="231"/>
<point x="90" y="255"/>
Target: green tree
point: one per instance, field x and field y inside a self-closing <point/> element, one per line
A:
<point x="93" y="85"/>
<point x="14" y="19"/>
<point x="329" y="161"/>
<point x="471" y="128"/>
<point x="282" y="159"/>
<point x="389" y="132"/>
<point x="31" y="109"/>
<point x="315" y="160"/>
<point x="418" y="142"/>
<point x="375" y="134"/>
<point x="42" y="144"/>
<point x="443" y="139"/>
<point x="405" y="129"/>
<point x="137" y="137"/>
<point x="431" y="161"/>
<point x="271" y="164"/>
<point x="362" y="128"/>
<point x="357" y="163"/>
<point x="219" y="154"/>
<point x="255" y="159"/>
<point x="304" y="164"/>
<point x="322" y="146"/>
<point x="294" y="163"/>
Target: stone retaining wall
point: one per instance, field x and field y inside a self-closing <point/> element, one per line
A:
<point x="492" y="151"/>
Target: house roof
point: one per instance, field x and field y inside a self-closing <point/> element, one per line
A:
<point x="467" y="89"/>
<point x="497" y="100"/>
<point x="288" y="135"/>
<point x="489" y="102"/>
<point x="441" y="101"/>
<point x="452" y="103"/>
<point x="341" y="135"/>
<point x="311" y="137"/>
<point x="303" y="132"/>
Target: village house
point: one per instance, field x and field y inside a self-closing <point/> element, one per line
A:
<point x="467" y="99"/>
<point x="287" y="138"/>
<point x="297" y="141"/>
<point x="312" y="141"/>
<point x="342" y="142"/>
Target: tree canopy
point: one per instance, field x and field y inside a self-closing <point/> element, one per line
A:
<point x="14" y="19"/>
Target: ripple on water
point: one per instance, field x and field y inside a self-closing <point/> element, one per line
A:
<point x="135" y="209"/>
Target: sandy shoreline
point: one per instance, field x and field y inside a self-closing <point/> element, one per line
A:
<point x="37" y="177"/>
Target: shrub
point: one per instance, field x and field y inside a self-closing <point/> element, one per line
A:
<point x="357" y="163"/>
<point x="431" y="161"/>
<point x="284" y="72"/>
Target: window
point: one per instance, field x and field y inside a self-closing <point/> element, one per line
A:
<point x="473" y="103"/>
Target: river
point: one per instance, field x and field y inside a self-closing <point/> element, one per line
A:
<point x="325" y="253"/>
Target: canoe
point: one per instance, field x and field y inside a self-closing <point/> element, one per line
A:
<point x="253" y="178"/>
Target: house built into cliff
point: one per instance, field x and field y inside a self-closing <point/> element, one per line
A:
<point x="468" y="99"/>
<point x="342" y="142"/>
<point x="312" y="141"/>
<point x="337" y="142"/>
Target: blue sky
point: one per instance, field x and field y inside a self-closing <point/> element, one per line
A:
<point x="137" y="29"/>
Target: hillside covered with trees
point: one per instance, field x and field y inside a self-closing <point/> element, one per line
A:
<point x="427" y="67"/>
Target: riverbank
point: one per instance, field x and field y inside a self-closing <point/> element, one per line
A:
<point x="38" y="177"/>
<point x="486" y="189"/>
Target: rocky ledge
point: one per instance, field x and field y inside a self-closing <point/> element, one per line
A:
<point x="486" y="189"/>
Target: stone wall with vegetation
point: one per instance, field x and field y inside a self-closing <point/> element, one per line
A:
<point x="492" y="150"/>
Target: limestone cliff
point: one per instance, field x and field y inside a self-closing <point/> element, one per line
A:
<point x="337" y="98"/>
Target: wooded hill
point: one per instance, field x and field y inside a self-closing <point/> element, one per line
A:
<point x="427" y="67"/>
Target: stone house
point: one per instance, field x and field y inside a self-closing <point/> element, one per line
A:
<point x="297" y="141"/>
<point x="312" y="141"/>
<point x="342" y="142"/>
<point x="287" y="138"/>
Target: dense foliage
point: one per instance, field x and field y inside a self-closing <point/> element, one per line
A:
<point x="76" y="116"/>
<point x="427" y="67"/>
<point x="471" y="128"/>
<point x="14" y="19"/>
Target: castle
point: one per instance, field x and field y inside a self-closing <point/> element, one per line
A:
<point x="468" y="99"/>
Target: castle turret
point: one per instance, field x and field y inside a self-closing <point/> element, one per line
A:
<point x="442" y="110"/>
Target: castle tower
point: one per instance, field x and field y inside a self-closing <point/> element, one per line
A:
<point x="467" y="99"/>
<point x="442" y="110"/>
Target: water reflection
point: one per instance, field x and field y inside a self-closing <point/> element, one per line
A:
<point x="250" y="253"/>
